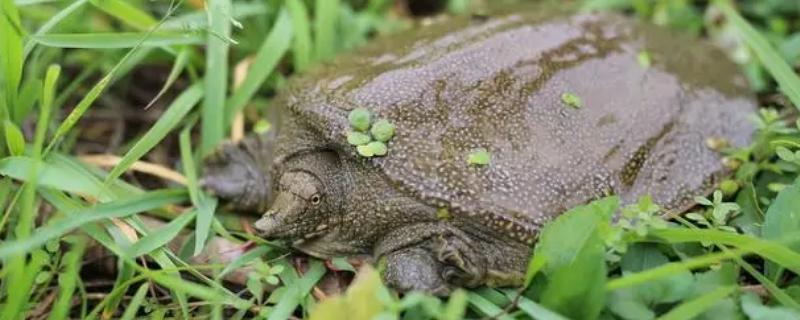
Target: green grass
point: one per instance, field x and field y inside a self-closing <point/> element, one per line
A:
<point x="63" y="65"/>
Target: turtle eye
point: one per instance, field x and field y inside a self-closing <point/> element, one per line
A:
<point x="315" y="199"/>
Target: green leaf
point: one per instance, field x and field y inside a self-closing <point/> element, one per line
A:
<point x="359" y="302"/>
<point x="267" y="58"/>
<point x="755" y="310"/>
<point x="561" y="239"/>
<point x="174" y="114"/>
<point x="15" y="141"/>
<point x="479" y="157"/>
<point x="575" y="255"/>
<point x="297" y="289"/>
<point x="213" y="115"/>
<point x="341" y="263"/>
<point x="357" y="138"/>
<point x="117" y="40"/>
<point x="626" y="304"/>
<point x="666" y="290"/>
<point x="382" y="130"/>
<point x="637" y="302"/>
<point x="377" y="148"/>
<point x="365" y="151"/>
<point x="785" y="154"/>
<point x="359" y="119"/>
<point x="782" y="220"/>
<point x="116" y="209"/>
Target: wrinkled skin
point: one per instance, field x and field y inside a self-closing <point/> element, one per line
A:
<point x="492" y="83"/>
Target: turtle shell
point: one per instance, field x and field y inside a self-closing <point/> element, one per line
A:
<point x="650" y="99"/>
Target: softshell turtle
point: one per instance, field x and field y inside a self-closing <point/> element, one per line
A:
<point x="569" y="107"/>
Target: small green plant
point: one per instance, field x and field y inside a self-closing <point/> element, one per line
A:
<point x="362" y="138"/>
<point x="635" y="222"/>
<point x="572" y="100"/>
<point x="479" y="157"/>
<point x="644" y="59"/>
<point x="717" y="215"/>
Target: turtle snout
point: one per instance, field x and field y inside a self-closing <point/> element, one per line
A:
<point x="284" y="218"/>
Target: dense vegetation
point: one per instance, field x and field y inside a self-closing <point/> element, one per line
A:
<point x="107" y="107"/>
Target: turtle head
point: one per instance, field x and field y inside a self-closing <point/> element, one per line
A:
<point x="307" y="197"/>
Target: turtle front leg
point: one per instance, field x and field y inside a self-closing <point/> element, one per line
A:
<point x="414" y="269"/>
<point x="431" y="257"/>
<point x="463" y="266"/>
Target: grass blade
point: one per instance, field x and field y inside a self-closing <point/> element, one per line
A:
<point x="161" y="236"/>
<point x="15" y="141"/>
<point x="177" y="69"/>
<point x="116" y="209"/>
<point x="692" y="308"/>
<point x="243" y="259"/>
<point x="174" y="114"/>
<point x="205" y="215"/>
<point x="788" y="81"/>
<point x="772" y="250"/>
<point x="267" y="58"/>
<point x="486" y="307"/>
<point x="193" y="289"/>
<point x="48" y="92"/>
<point x="216" y="77"/>
<point x="533" y="309"/>
<point x="199" y="19"/>
<point x="670" y="269"/>
<point x="52" y="22"/>
<point x="53" y="175"/>
<point x="116" y="40"/>
<point x="136" y="302"/>
<point x="11" y="61"/>
<point x="127" y="13"/>
<point x="68" y="279"/>
<point x="297" y="289"/>
<point x="301" y="47"/>
<point x="205" y="205"/>
<point x="326" y="24"/>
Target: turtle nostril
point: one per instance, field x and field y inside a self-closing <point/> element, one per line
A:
<point x="268" y="223"/>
